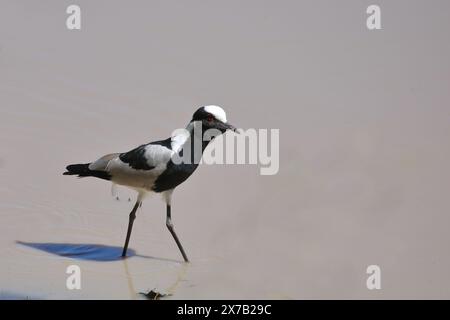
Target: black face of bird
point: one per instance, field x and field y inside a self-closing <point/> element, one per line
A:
<point x="213" y="117"/>
<point x="213" y="123"/>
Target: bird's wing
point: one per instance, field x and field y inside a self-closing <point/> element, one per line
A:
<point x="138" y="168"/>
<point x="148" y="156"/>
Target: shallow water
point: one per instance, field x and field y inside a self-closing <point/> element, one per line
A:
<point x="363" y="119"/>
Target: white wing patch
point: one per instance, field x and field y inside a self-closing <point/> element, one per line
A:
<point x="157" y="155"/>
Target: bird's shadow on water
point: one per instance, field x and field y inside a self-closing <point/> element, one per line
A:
<point x="11" y="295"/>
<point x="90" y="252"/>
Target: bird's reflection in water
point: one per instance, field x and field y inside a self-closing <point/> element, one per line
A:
<point x="180" y="277"/>
<point x="131" y="289"/>
<point x="170" y="291"/>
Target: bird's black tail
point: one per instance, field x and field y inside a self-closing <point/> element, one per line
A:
<point x="82" y="170"/>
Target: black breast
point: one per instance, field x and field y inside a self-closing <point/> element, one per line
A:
<point x="174" y="175"/>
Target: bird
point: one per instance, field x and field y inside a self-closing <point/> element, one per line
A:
<point x="159" y="166"/>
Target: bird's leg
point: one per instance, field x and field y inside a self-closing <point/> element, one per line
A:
<point x="130" y="226"/>
<point x="169" y="225"/>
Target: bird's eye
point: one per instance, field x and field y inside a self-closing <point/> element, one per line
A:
<point x="209" y="118"/>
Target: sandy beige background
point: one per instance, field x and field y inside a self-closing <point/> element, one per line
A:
<point x="364" y="142"/>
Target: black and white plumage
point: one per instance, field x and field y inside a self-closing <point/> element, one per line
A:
<point x="152" y="167"/>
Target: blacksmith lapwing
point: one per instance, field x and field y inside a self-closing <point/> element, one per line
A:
<point x="158" y="166"/>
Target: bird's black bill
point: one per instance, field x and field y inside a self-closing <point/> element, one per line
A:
<point x="226" y="126"/>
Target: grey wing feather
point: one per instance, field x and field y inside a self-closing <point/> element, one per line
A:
<point x="102" y="163"/>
